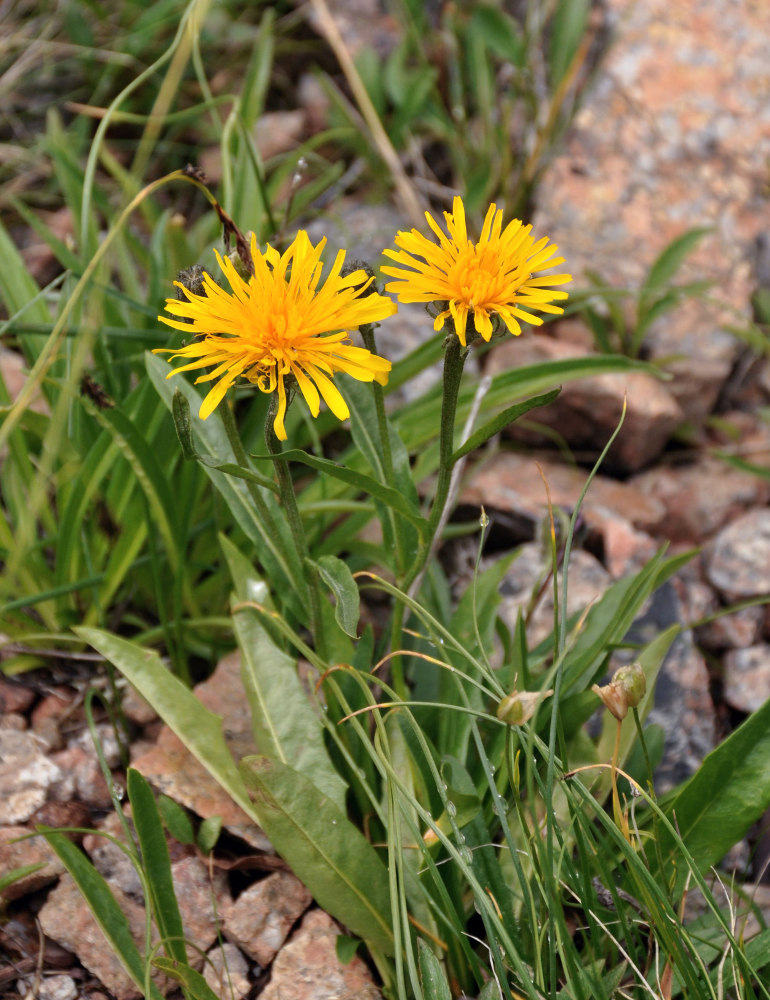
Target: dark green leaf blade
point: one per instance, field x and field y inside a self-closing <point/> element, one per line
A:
<point x="668" y="263"/>
<point x="337" y="575"/>
<point x="103" y="905"/>
<point x="334" y="860"/>
<point x="503" y="419"/>
<point x="360" y="480"/>
<point x="157" y="864"/>
<point x="285" y="724"/>
<point x="193" y="983"/>
<point x="710" y="823"/>
<point x="432" y="976"/>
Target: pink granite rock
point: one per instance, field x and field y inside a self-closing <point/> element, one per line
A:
<point x="307" y="968"/>
<point x="587" y="411"/>
<point x="262" y="916"/>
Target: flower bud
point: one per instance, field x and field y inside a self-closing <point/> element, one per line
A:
<point x="518" y="707"/>
<point x="625" y="690"/>
<point x="356" y="264"/>
<point x="192" y="279"/>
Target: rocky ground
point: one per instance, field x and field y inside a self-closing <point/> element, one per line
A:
<point x="676" y="134"/>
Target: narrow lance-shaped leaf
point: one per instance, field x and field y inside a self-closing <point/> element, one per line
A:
<point x="667" y="264"/>
<point x="192" y="982"/>
<point x="183" y="424"/>
<point x="324" y="849"/>
<point x="111" y="919"/>
<point x="434" y="981"/>
<point x="199" y="729"/>
<point x="285" y="725"/>
<point x="157" y="864"/>
<point x="709" y="823"/>
<point x="503" y="419"/>
<point x="360" y="480"/>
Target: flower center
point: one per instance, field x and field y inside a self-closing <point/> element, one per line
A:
<point x="472" y="279"/>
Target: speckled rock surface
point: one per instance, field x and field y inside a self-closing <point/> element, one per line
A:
<point x="26" y="774"/>
<point x="738" y="559"/>
<point x="262" y="916"/>
<point x="747" y="677"/>
<point x="676" y="134"/>
<point x="307" y="968"/>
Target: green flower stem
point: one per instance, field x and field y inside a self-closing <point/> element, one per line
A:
<point x="454" y="361"/>
<point x="263" y="510"/>
<point x="242" y="459"/>
<point x="367" y="334"/>
<point x="289" y="504"/>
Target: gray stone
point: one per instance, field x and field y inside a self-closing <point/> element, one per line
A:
<point x="514" y="483"/>
<point x="738" y="559"/>
<point x="57" y="988"/>
<point x="529" y="574"/>
<point x="747" y="677"/>
<point x="195" y="894"/>
<point x="734" y="631"/>
<point x="110" y="747"/>
<point x="702" y="497"/>
<point x="82" y="776"/>
<point x="682" y="705"/>
<point x="110" y="860"/>
<point x="227" y="972"/>
<point x="26" y="774"/>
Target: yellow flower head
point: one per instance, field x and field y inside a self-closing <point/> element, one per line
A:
<point x="495" y="275"/>
<point x="280" y="323"/>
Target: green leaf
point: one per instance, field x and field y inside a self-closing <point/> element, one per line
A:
<point x="340" y="580"/>
<point x="199" y="729"/>
<point x="500" y="32"/>
<point x="762" y="471"/>
<point x="346" y="947"/>
<point x="503" y="419"/>
<point x="432" y="976"/>
<point x="490" y="991"/>
<point x="176" y="820"/>
<point x="146" y="467"/>
<point x="183" y="424"/>
<point x="16" y="874"/>
<point x="104" y="907"/>
<point x="668" y="263"/>
<point x="729" y="792"/>
<point x="286" y="727"/>
<point x="361" y="481"/>
<point x="208" y="834"/>
<point x="192" y="982"/>
<point x="568" y="28"/>
<point x="157" y="864"/>
<point x="324" y="849"/>
<point x="180" y="410"/>
<point x="211" y="438"/>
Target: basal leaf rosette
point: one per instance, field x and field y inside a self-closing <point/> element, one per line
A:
<point x="280" y="327"/>
<point x="497" y="276"/>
